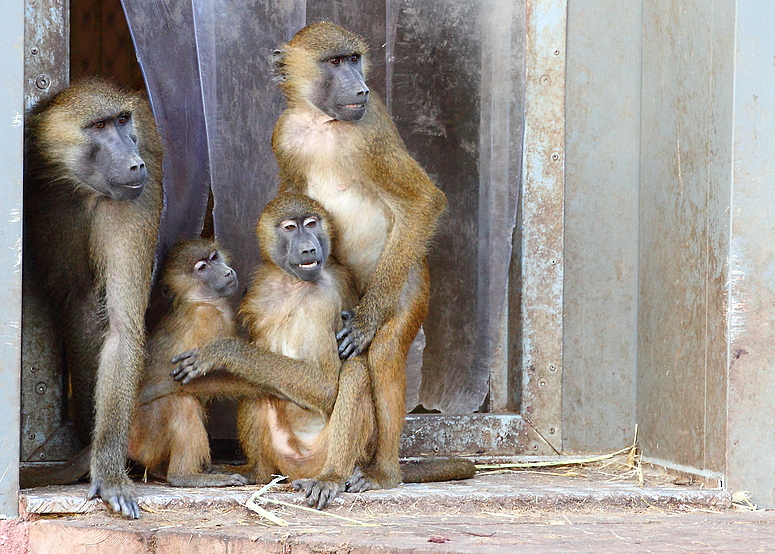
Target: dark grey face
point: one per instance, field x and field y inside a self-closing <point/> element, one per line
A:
<point x="301" y="247"/>
<point x="341" y="92"/>
<point x="111" y="163"/>
<point x="216" y="274"/>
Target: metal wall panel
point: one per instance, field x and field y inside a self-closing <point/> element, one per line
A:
<point x="601" y="224"/>
<point x="751" y="391"/>
<point x="12" y="116"/>
<point x="685" y="189"/>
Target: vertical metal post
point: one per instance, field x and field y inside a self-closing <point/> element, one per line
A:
<point x="542" y="222"/>
<point x="11" y="136"/>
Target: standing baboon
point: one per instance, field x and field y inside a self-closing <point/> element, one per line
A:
<point x="294" y="307"/>
<point x="168" y="434"/>
<point x="92" y="202"/>
<point x="336" y="143"/>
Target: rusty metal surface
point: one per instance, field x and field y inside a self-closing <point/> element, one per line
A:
<point x="601" y="225"/>
<point x="751" y="316"/>
<point x="688" y="61"/>
<point x="12" y="109"/>
<point x="46" y="72"/>
<point x="542" y="221"/>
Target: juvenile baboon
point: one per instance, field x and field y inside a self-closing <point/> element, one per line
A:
<point x="294" y="307"/>
<point x="92" y="202"/>
<point x="168" y="435"/>
<point x="336" y="143"/>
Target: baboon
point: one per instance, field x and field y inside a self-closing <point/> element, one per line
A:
<point x="336" y="143"/>
<point x="168" y="434"/>
<point x="295" y="307"/>
<point x="92" y="203"/>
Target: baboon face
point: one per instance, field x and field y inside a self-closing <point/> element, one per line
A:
<point x="109" y="161"/>
<point x="214" y="271"/>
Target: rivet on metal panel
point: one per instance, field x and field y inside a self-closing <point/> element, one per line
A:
<point x="42" y="82"/>
<point x="34" y="50"/>
<point x="31" y="436"/>
<point x="42" y="455"/>
<point x="545" y="80"/>
<point x="556" y="52"/>
<point x="534" y="446"/>
<point x="552" y="367"/>
<point x="41" y="388"/>
<point x="542" y="383"/>
<point x="33" y="369"/>
<point x="552" y="430"/>
<point x="553" y="262"/>
<point x="555" y="156"/>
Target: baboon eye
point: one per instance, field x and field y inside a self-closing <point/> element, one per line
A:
<point x="354" y="58"/>
<point x="289" y="225"/>
<point x="310" y="222"/>
<point x="201" y="265"/>
<point x="335" y="61"/>
<point x="122" y="119"/>
<point x="100" y="125"/>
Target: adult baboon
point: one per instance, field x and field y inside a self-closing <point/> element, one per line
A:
<point x="92" y="202"/>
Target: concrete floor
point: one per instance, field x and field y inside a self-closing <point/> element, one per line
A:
<point x="577" y="509"/>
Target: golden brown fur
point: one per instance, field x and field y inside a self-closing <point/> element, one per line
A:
<point x="168" y="434"/>
<point x="95" y="256"/>
<point x="384" y="209"/>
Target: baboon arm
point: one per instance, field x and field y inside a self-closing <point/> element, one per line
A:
<point x="286" y="378"/>
<point x="405" y="248"/>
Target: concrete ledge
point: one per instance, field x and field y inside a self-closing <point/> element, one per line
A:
<point x="522" y="489"/>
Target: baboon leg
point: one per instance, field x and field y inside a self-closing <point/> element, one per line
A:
<point x="350" y="429"/>
<point x="255" y="440"/>
<point x="190" y="449"/>
<point x="387" y="368"/>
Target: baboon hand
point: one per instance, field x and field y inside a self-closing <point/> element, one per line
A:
<point x="119" y="496"/>
<point x="355" y="336"/>
<point x="190" y="366"/>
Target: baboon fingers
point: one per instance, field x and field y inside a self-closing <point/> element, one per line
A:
<point x="319" y="493"/>
<point x="180" y="357"/>
<point x="120" y="498"/>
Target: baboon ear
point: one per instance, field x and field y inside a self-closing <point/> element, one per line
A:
<point x="278" y="65"/>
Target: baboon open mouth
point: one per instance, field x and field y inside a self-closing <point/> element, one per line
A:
<point x="310" y="265"/>
<point x="353" y="106"/>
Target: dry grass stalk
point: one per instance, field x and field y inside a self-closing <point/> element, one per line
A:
<point x="252" y="504"/>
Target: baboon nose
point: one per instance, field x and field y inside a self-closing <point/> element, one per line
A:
<point x="137" y="167"/>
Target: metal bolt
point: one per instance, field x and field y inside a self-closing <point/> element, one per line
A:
<point x="34" y="50"/>
<point x="553" y="262"/>
<point x="435" y="448"/>
<point x="41" y="388"/>
<point x="545" y="80"/>
<point x="31" y="436"/>
<point x="555" y="156"/>
<point x="42" y="456"/>
<point x="552" y="430"/>
<point x="556" y="52"/>
<point x="33" y="369"/>
<point x="534" y="446"/>
<point x="42" y="82"/>
<point x="552" y="367"/>
<point x="542" y="383"/>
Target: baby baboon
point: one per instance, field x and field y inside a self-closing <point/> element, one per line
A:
<point x="168" y="434"/>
